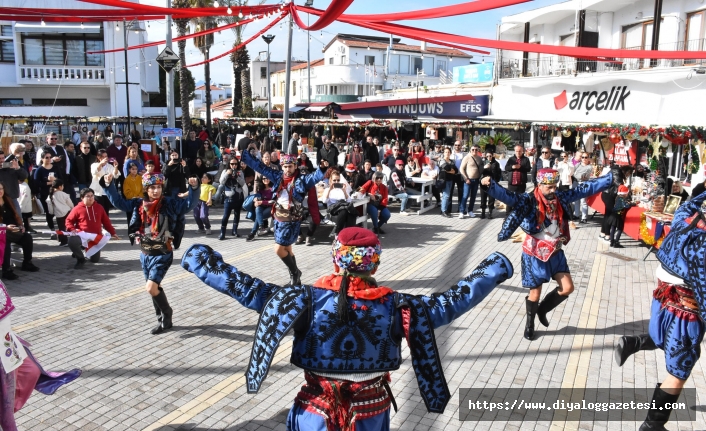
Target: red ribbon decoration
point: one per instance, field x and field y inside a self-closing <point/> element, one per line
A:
<point x="177" y="39"/>
<point x="269" y="26"/>
<point x="331" y="14"/>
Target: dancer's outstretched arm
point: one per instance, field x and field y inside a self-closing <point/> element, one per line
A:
<point x="208" y="265"/>
<point x="500" y="193"/>
<point x="586" y="189"/>
<point x="469" y="292"/>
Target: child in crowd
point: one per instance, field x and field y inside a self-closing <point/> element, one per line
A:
<point x="26" y="206"/>
<point x="132" y="187"/>
<point x="263" y="206"/>
<point x="150" y="167"/>
<point x="59" y="204"/>
<point x="616" y="219"/>
<point x="205" y="201"/>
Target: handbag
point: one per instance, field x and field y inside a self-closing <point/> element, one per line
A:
<point x="37" y="208"/>
<point x="249" y="203"/>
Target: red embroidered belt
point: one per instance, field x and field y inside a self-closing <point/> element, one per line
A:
<point x="678" y="299"/>
<point x="342" y="402"/>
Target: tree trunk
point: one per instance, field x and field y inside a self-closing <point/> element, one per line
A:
<point x="237" y="96"/>
<point x="184" y="90"/>
<point x="246" y="90"/>
<point x="207" y="76"/>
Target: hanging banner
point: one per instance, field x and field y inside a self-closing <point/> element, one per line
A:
<point x="452" y="107"/>
<point x="171" y="133"/>
<point x="473" y="73"/>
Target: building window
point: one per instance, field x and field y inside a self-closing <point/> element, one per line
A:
<point x="333" y="89"/>
<point x="294" y="88"/>
<point x="274" y="90"/>
<point x="62" y="49"/>
<point x="404" y="64"/>
<point x="8" y="102"/>
<point x="197" y="96"/>
<point x="7" y="45"/>
<point x="60" y="102"/>
<point x="330" y="60"/>
<point x="694" y="32"/>
<point x="360" y="90"/>
<point x="263" y="91"/>
<point x="343" y="59"/>
<point x="440" y="66"/>
<point x="263" y="73"/>
<point x="418" y="65"/>
<point x="370" y="59"/>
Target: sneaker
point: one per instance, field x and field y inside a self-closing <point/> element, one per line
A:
<point x="309" y="241"/>
<point x="447" y="215"/>
<point x="208" y="231"/>
<point x="616" y="244"/>
<point x="471" y="215"/>
<point x="404" y="213"/>
<point x="381" y="232"/>
<point x="262" y="232"/>
<point x="584" y="221"/>
<point x="201" y="231"/>
<point x="250" y="237"/>
<point x="29" y="266"/>
<point x="461" y="216"/>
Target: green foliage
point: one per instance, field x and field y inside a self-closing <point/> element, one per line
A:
<point x="499" y="138"/>
<point x="160" y="99"/>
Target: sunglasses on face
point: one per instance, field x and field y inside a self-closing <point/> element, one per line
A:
<point x="545" y="152"/>
<point x="584" y="157"/>
<point x="47" y="158"/>
<point x="53" y="139"/>
<point x="234" y="164"/>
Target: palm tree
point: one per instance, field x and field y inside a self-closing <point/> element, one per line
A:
<point x="203" y="43"/>
<point x="242" y="93"/>
<point x="182" y="30"/>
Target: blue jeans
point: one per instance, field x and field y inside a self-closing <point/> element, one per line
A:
<point x="233" y="204"/>
<point x="469" y="190"/>
<point x="383" y="214"/>
<point x="262" y="213"/>
<point x="403" y="201"/>
<point x="446" y="196"/>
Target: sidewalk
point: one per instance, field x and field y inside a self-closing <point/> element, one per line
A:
<point x="192" y="377"/>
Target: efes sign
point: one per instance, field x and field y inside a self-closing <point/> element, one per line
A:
<point x="613" y="100"/>
<point x="462" y="108"/>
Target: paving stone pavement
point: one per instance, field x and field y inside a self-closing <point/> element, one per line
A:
<point x="192" y="378"/>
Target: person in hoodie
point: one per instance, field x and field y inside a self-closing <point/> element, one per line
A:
<point x="396" y="185"/>
<point x="154" y="217"/>
<point x="87" y="221"/>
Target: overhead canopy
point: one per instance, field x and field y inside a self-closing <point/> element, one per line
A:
<point x="464" y="106"/>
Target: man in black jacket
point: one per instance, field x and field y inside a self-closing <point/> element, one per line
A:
<point x="518" y="166"/>
<point x="244" y="142"/>
<point x="491" y="168"/>
<point x="84" y="160"/>
<point x="191" y="146"/>
<point x="10" y="176"/>
<point x="545" y="161"/>
<point x="329" y="152"/>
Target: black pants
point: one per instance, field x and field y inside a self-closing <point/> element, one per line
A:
<point x="76" y="247"/>
<point x="342" y="219"/>
<point x="25" y="221"/>
<point x="458" y="181"/>
<point x="520" y="188"/>
<point x="436" y="193"/>
<point x="486" y="201"/>
<point x="61" y="222"/>
<point x="105" y="202"/>
<point x="308" y="224"/>
<point x="49" y="217"/>
<point x="232" y="204"/>
<point x="24" y="240"/>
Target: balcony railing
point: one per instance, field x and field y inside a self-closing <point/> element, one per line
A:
<point x="74" y="74"/>
<point x="558" y="65"/>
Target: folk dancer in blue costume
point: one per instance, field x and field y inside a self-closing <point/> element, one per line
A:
<point x="678" y="309"/>
<point x="348" y="331"/>
<point x="544" y="215"/>
<point x="153" y="219"/>
<point x="290" y="189"/>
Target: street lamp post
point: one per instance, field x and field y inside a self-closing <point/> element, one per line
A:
<point x="134" y="26"/>
<point x="420" y="73"/>
<point x="268" y="40"/>
<point x="309" y="3"/>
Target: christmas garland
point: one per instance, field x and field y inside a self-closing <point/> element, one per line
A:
<point x="693" y="163"/>
<point x="678" y="135"/>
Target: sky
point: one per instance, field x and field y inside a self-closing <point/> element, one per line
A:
<point x="481" y="24"/>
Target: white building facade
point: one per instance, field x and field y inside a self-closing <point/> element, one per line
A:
<point x="45" y="70"/>
<point x="219" y="93"/>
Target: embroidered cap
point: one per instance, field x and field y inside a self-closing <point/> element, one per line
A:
<point x="356" y="250"/>
<point x="622" y="190"/>
<point x="287" y="159"/>
<point x="547" y="176"/>
<point x="152" y="180"/>
<point x="6" y="306"/>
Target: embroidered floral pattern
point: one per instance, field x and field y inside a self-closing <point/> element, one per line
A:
<point x="356" y="259"/>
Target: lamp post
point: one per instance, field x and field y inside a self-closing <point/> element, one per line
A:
<point x="420" y="73"/>
<point x="134" y="26"/>
<point x="309" y="3"/>
<point x="268" y="38"/>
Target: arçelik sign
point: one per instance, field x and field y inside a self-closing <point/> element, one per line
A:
<point x="613" y="100"/>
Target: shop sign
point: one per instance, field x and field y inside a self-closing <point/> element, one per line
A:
<point x="613" y="100"/>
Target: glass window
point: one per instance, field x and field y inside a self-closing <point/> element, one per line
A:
<point x="694" y="32"/>
<point x="330" y="60"/>
<point x="343" y="59"/>
<point x="263" y="72"/>
<point x="7" y="51"/>
<point x="440" y="66"/>
<point x="34" y="51"/>
<point x="75" y="53"/>
<point x="394" y="64"/>
<point x="369" y="59"/>
<point x="428" y="66"/>
<point x="418" y="65"/>
<point x="5" y="30"/>
<point x="294" y="88"/>
<point x="94" y="59"/>
<point x="54" y="52"/>
<point x="404" y="64"/>
<point x="5" y="102"/>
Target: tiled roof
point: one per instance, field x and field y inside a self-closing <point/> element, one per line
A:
<point x="300" y="65"/>
<point x="203" y="87"/>
<point x="404" y="47"/>
<point x="223" y="104"/>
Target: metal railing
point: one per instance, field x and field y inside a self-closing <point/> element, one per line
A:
<point x="79" y="74"/>
<point x="556" y="65"/>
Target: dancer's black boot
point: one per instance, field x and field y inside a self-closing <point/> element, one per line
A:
<point x="658" y="416"/>
<point x="550" y="302"/>
<point x="531" y="312"/>
<point x="629" y="345"/>
<point x="163" y="304"/>
<point x="294" y="272"/>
